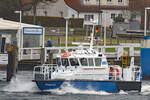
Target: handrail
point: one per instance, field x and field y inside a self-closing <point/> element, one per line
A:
<point x="134" y="77"/>
<point x="118" y="50"/>
<point x="44" y="70"/>
<point x="30" y="52"/>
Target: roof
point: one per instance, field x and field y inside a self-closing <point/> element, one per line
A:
<point x="26" y="1"/>
<point x="12" y="25"/>
<point x="78" y="6"/>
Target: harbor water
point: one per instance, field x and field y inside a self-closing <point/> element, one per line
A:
<point x="22" y="88"/>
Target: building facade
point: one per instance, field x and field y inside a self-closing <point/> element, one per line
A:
<point x="58" y="9"/>
<point x="102" y="11"/>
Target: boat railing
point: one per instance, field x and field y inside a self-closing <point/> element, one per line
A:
<point x="115" y="75"/>
<point x="44" y="72"/>
<point x="136" y="75"/>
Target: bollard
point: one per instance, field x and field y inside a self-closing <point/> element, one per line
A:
<point x="12" y="66"/>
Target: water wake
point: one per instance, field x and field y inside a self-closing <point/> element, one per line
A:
<point x="145" y="89"/>
<point x="67" y="88"/>
<point x="20" y="85"/>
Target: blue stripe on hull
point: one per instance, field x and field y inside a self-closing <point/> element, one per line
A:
<point x="48" y="85"/>
<point x="107" y="86"/>
<point x="145" y="61"/>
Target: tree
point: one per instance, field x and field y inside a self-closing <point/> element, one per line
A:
<point x="35" y="4"/>
<point x="7" y="8"/>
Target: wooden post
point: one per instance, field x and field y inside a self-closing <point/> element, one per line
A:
<point x="50" y="58"/>
<point x="12" y="62"/>
<point x="42" y="56"/>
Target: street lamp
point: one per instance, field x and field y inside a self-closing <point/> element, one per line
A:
<point x="19" y="12"/>
<point x="145" y="26"/>
<point x="67" y="20"/>
<point x="105" y="29"/>
<point x="94" y="23"/>
<point x="19" y="34"/>
<point x="99" y="13"/>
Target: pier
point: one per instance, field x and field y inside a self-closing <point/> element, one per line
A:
<point x="33" y="56"/>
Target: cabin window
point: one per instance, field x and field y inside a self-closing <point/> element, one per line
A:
<point x="64" y="61"/>
<point x="90" y="60"/>
<point x="97" y="61"/>
<point x="58" y="61"/>
<point x="74" y="62"/>
<point x="83" y="61"/>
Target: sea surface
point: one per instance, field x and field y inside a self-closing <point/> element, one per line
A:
<point x="22" y="88"/>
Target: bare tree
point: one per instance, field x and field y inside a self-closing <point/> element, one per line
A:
<point x="7" y="8"/>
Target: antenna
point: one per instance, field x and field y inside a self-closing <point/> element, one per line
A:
<point x="92" y="34"/>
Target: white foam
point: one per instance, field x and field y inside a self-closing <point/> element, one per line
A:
<point x="67" y="88"/>
<point x="20" y="85"/>
<point x="145" y="89"/>
<point x="123" y="92"/>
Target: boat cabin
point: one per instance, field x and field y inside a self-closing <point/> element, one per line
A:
<point x="85" y="59"/>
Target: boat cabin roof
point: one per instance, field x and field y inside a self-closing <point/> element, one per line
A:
<point x="81" y="54"/>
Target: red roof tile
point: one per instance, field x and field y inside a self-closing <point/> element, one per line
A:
<point x="76" y="5"/>
<point x="26" y="1"/>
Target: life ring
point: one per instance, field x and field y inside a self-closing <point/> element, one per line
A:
<point x="112" y="71"/>
<point x="65" y="54"/>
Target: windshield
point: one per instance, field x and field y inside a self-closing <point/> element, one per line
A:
<point x="90" y="60"/>
<point x="97" y="61"/>
<point x="83" y="61"/>
<point x="64" y="61"/>
<point x="74" y="62"/>
<point x="58" y="61"/>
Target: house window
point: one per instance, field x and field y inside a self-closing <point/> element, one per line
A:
<point x="109" y="0"/>
<point x="119" y="0"/>
<point x="73" y="15"/>
<point x="133" y="16"/>
<point x="88" y="17"/>
<point x="119" y="15"/>
<point x="87" y="0"/>
<point x="98" y="0"/>
<point x="112" y="16"/>
<point x="61" y="13"/>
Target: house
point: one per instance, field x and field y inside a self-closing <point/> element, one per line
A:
<point x="103" y="11"/>
<point x="58" y="9"/>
